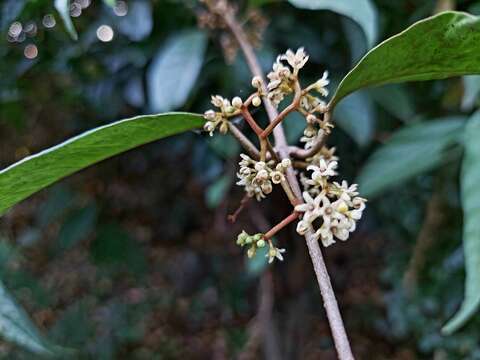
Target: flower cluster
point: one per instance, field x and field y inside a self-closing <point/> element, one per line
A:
<point x="335" y="207"/>
<point x="220" y="118"/>
<point x="257" y="177"/>
<point x="256" y="242"/>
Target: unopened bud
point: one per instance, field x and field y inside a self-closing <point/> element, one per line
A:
<point x="256" y="101"/>
<point x="258" y="237"/>
<point x="251" y="252"/>
<point x="257" y="82"/>
<point x="237" y="102"/>
<point x="286" y="163"/>
<point x="311" y="118"/>
<point x="261" y="243"/>
<point x="209" y="115"/>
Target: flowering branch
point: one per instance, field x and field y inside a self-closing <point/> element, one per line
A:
<point x="336" y="205"/>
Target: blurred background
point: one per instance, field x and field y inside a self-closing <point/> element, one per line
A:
<point x="134" y="258"/>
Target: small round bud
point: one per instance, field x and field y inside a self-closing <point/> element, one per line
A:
<point x="258" y="237"/>
<point x="249" y="240"/>
<point x="257" y="82"/>
<point x="256" y="101"/>
<point x="311" y="118"/>
<point x="241" y="238"/>
<point x="209" y="115"/>
<point x="261" y="243"/>
<point x="237" y="102"/>
<point x="286" y="163"/>
<point x="224" y="128"/>
<point x="229" y="109"/>
<point x="262" y="175"/>
<point x="251" y="252"/>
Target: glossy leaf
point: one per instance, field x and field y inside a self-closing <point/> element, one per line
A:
<point x="438" y="47"/>
<point x="470" y="195"/>
<point x="174" y="70"/>
<point x="363" y="12"/>
<point x="63" y="8"/>
<point x="16" y="327"/>
<point x="409" y="152"/>
<point x="36" y="172"/>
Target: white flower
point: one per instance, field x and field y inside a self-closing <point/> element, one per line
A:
<point x="295" y="60"/>
<point x="303" y="226"/>
<point x="345" y="191"/>
<point x="273" y="253"/>
<point x="311" y="207"/>
<point x="322" y="83"/>
<point x="325" y="235"/>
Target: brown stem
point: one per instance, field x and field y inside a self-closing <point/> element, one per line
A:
<point x="233" y="217"/>
<point x="330" y="303"/>
<point x="273" y="231"/>
<point x="243" y="140"/>
<point x="251" y="121"/>
<point x="292" y="107"/>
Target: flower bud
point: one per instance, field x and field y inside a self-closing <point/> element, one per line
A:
<point x="251" y="252"/>
<point x="311" y="118"/>
<point x="261" y="243"/>
<point x="262" y="175"/>
<point x="257" y="82"/>
<point x="229" y="109"/>
<point x="286" y="163"/>
<point x="249" y="239"/>
<point x="256" y="101"/>
<point x="209" y="115"/>
<point x="258" y="237"/>
<point x="237" y="102"/>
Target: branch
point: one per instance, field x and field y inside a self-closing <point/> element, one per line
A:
<point x="243" y="140"/>
<point x="330" y="303"/>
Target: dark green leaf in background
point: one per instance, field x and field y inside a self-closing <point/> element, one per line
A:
<point x="356" y="116"/>
<point x="363" y="12"/>
<point x="409" y="152"/>
<point x="36" y="172"/>
<point x="174" y="70"/>
<point x="470" y="186"/>
<point x="471" y="85"/>
<point x="15" y="326"/>
<point x="438" y="47"/>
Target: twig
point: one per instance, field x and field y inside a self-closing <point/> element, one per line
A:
<point x="330" y="303"/>
<point x="273" y="231"/>
<point x="243" y="140"/>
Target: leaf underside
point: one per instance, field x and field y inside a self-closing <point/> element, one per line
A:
<point x="470" y="195"/>
<point x="442" y="46"/>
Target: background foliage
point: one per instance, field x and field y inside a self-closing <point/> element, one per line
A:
<point x="134" y="258"/>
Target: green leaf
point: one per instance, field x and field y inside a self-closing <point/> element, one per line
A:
<point x="438" y="47"/>
<point x="409" y="152"/>
<point x="396" y="100"/>
<point x="63" y="8"/>
<point x="175" y="69"/>
<point x="36" y="172"/>
<point x="470" y="195"/>
<point x="16" y="327"/>
<point x="356" y="116"/>
<point x="471" y="86"/>
<point x="110" y="3"/>
<point x="363" y="12"/>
